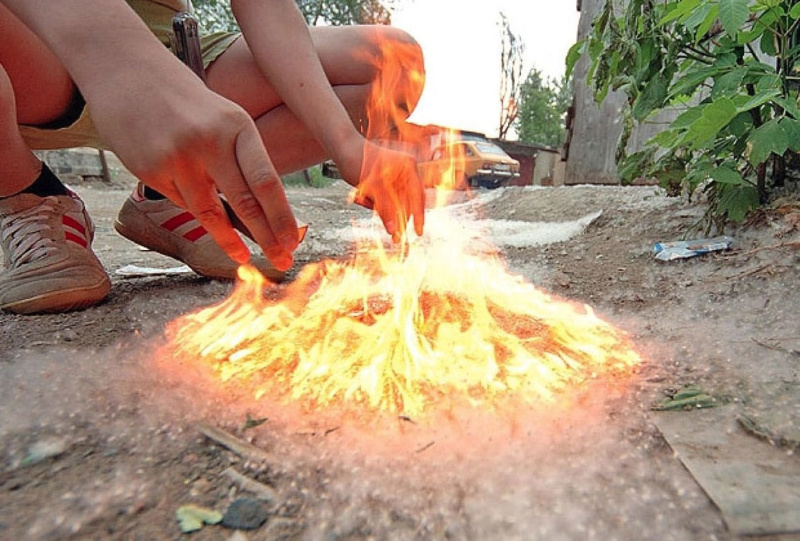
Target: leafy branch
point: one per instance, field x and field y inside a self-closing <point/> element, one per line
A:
<point x="728" y="71"/>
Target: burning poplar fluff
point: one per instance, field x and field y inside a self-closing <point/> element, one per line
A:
<point x="398" y="335"/>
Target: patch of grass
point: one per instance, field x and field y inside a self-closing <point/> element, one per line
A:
<point x="314" y="180"/>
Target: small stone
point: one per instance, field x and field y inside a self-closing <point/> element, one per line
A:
<point x="68" y="335"/>
<point x="45" y="448"/>
<point x="245" y="514"/>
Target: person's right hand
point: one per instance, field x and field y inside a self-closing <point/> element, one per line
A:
<point x="164" y="124"/>
<point x="189" y="143"/>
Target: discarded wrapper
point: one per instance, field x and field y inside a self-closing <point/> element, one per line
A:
<point x="668" y="251"/>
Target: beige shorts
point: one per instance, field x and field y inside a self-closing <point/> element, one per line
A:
<point x="78" y="130"/>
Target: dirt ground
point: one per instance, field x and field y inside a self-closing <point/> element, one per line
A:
<point x="95" y="443"/>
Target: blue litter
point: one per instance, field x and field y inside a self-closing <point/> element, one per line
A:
<point x="668" y="251"/>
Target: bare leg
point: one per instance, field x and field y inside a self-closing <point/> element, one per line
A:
<point x="350" y="57"/>
<point x="34" y="89"/>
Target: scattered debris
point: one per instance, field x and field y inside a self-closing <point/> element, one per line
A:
<point x="193" y="517"/>
<point x="688" y="398"/>
<point x="45" y="448"/>
<point x="251" y="422"/>
<point x="425" y="447"/>
<point x="282" y="528"/>
<point x="757" y="429"/>
<point x="261" y="491"/>
<point x="238" y="446"/>
<point x="773" y="345"/>
<point x="753" y="485"/>
<point x="770" y="414"/>
<point x="766" y="267"/>
<point x="668" y="251"/>
<point x="245" y="514"/>
<point x="781" y="246"/>
<point x="135" y="271"/>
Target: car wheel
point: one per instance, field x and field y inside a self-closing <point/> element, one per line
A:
<point x="490" y="183"/>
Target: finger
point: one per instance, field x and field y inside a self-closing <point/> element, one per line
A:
<point x="416" y="201"/>
<point x="363" y="200"/>
<point x="386" y="213"/>
<point x="229" y="180"/>
<point x="203" y="202"/>
<point x="165" y="185"/>
<point x="263" y="184"/>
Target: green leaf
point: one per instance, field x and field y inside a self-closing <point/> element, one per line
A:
<point x="737" y="200"/>
<point x="690" y="81"/>
<point x="574" y="54"/>
<point x="768" y="45"/>
<point x="652" y="98"/>
<point x="726" y="175"/>
<point x="665" y="139"/>
<point x="765" y="140"/>
<point x="792" y="128"/>
<point x="683" y="8"/>
<point x="789" y="106"/>
<point x="794" y="13"/>
<point x="192" y="517"/>
<point x="733" y="14"/>
<point x="740" y="124"/>
<point x="698" y="16"/>
<point x="729" y="84"/>
<point x="688" y="117"/>
<point x="715" y="117"/>
<point x="707" y="23"/>
<point x="769" y="82"/>
<point x="758" y="100"/>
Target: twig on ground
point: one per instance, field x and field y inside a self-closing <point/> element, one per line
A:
<point x="776" y="347"/>
<point x="238" y="446"/>
<point x="750" y="272"/>
<point x="763" y="248"/>
<point x="260" y="490"/>
<point x="425" y="447"/>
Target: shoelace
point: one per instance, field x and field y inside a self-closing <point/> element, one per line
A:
<point x="27" y="232"/>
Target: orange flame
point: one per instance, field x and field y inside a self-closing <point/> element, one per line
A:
<point x="402" y="332"/>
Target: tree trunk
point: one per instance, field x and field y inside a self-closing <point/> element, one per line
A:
<point x="779" y="171"/>
<point x="761" y="178"/>
<point x="104" y="166"/>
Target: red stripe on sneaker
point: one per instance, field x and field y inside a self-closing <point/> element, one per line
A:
<point x="195" y="233"/>
<point x="69" y="221"/>
<point x="176" y="221"/>
<point x="72" y="237"/>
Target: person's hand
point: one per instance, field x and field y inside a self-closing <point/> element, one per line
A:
<point x="190" y="144"/>
<point x="387" y="182"/>
<point x="172" y="132"/>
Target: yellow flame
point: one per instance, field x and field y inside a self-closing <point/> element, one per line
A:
<point x="401" y="332"/>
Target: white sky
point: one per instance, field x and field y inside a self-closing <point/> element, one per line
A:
<point x="461" y="41"/>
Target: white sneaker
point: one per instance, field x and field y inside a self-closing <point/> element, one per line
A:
<point x="50" y="265"/>
<point x="166" y="228"/>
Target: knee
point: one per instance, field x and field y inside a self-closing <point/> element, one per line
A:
<point x="401" y="61"/>
<point x="7" y="102"/>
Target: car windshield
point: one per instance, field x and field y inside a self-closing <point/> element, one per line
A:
<point x="490" y="148"/>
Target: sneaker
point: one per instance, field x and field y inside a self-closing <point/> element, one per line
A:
<point x="166" y="228"/>
<point x="50" y="266"/>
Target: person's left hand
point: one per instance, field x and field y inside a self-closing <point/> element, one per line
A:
<point x="387" y="182"/>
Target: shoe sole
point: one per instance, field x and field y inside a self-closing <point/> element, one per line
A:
<point x="62" y="301"/>
<point x="155" y="244"/>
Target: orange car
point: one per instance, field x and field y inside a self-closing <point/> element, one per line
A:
<point x="477" y="164"/>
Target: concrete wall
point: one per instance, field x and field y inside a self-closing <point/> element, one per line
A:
<point x="84" y="162"/>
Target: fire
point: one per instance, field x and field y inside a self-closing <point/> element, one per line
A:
<point x="403" y="330"/>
